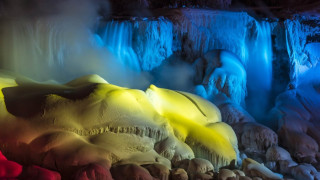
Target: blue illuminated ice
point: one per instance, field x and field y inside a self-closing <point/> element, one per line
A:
<point x="118" y="39"/>
<point x="139" y="44"/>
<point x="220" y="71"/>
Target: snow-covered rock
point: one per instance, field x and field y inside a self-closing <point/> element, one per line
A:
<point x="99" y="116"/>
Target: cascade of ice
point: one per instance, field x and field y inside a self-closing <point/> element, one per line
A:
<point x="259" y="70"/>
<point x="117" y="38"/>
<point x="259" y="66"/>
<point x="141" y="44"/>
<point x="201" y="31"/>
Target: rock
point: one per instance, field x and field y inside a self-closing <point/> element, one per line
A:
<point x="271" y="165"/>
<point x="285" y="166"/>
<point x="232" y="113"/>
<point x="92" y="133"/>
<point x="244" y="178"/>
<point x="255" y="138"/>
<point x="254" y="169"/>
<point x="276" y="153"/>
<point x="304" y="172"/>
<point x="239" y="173"/>
<point x="198" y="165"/>
<point x="302" y="147"/>
<point x="178" y="174"/>
<point x="130" y="171"/>
<point x="257" y="178"/>
<point x="2" y="157"/>
<point x="211" y="173"/>
<point x="297" y="111"/>
<point x="93" y="172"/>
<point x="158" y="171"/>
<point x="232" y="178"/>
<point x="182" y="151"/>
<point x="166" y="147"/>
<point x="9" y="169"/>
<point x="184" y="164"/>
<point x="202" y="176"/>
<point x="39" y="173"/>
<point x="224" y="174"/>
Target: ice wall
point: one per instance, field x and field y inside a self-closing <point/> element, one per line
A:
<point x="117" y="37"/>
<point x="190" y="34"/>
<point x="199" y="31"/>
<point x="302" y="37"/>
<point x="140" y="43"/>
<point x="259" y="66"/>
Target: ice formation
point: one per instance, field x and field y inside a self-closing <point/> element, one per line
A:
<point x="220" y="71"/>
<point x="90" y="121"/>
<point x="302" y="47"/>
<point x="140" y="44"/>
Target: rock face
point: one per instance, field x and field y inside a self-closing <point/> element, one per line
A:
<point x="130" y="171"/>
<point x="178" y="174"/>
<point x="197" y="166"/>
<point x="297" y="113"/>
<point x="13" y="170"/>
<point x="255" y="138"/>
<point x="276" y="153"/>
<point x="108" y="126"/>
<point x="125" y="5"/>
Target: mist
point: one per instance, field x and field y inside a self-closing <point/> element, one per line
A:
<point x="55" y="40"/>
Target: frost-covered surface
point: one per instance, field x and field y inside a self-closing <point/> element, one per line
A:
<point x="302" y="35"/>
<point x="140" y="44"/>
<point x="152" y="42"/>
<point x="199" y="31"/>
<point x="91" y="121"/>
<point x="192" y="33"/>
<point x="221" y="72"/>
<point x="117" y="37"/>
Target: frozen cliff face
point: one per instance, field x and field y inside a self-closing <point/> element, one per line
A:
<point x="191" y="33"/>
<point x="153" y="42"/>
<point x="197" y="32"/>
<point x="140" y="44"/>
<point x="302" y="45"/>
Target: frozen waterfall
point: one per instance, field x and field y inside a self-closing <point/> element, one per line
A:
<point x="259" y="71"/>
<point x="118" y="39"/>
<point x="259" y="67"/>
